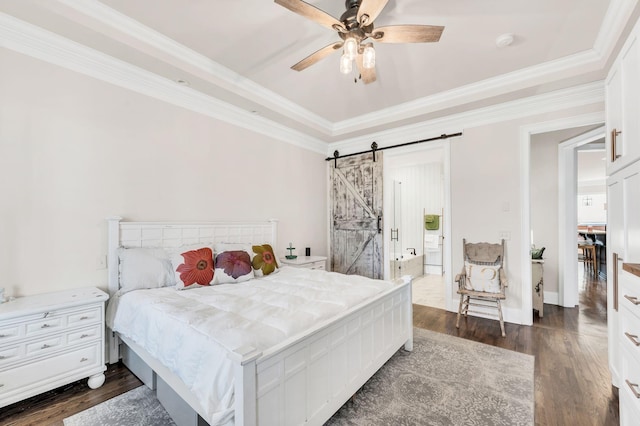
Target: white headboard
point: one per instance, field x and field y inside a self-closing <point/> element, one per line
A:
<point x="175" y="234"/>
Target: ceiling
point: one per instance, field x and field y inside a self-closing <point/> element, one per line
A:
<point x="240" y="52"/>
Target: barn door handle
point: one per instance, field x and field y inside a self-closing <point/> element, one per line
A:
<point x="379" y="220"/>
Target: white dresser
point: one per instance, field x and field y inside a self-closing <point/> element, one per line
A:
<point x="310" y="262"/>
<point x="49" y="340"/>
<point x="629" y="315"/>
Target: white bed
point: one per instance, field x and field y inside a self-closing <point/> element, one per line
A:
<point x="283" y="372"/>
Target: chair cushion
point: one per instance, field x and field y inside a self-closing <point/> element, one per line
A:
<point x="485" y="278"/>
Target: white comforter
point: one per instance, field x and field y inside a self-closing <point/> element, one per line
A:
<point x="191" y="331"/>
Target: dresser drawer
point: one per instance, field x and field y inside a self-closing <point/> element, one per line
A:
<point x="630" y="331"/>
<point x="85" y="334"/>
<point x="11" y="332"/>
<point x="49" y="369"/>
<point x="44" y="345"/>
<point x="630" y="383"/>
<point x="47" y="325"/>
<point x="86" y="316"/>
<point x="10" y="354"/>
<point x="629" y="293"/>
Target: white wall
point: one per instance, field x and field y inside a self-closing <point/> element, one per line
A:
<point x="74" y="151"/>
<point x="544" y="201"/>
<point x="422" y="189"/>
<point x="485" y="192"/>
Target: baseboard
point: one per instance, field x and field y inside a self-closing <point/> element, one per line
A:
<point x="552" y="298"/>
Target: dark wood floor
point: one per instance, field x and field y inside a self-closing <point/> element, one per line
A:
<point x="572" y="383"/>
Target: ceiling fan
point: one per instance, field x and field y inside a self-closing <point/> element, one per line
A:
<point x="354" y="27"/>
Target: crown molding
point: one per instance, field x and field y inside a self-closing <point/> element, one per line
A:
<point x="537" y="74"/>
<point x="163" y="47"/>
<point x="44" y="45"/>
<point x="585" y="94"/>
<point x="617" y="15"/>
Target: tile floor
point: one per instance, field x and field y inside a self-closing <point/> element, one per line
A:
<point x="429" y="290"/>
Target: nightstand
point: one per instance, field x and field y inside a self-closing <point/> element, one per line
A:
<point x="309" y="262"/>
<point x="49" y="340"/>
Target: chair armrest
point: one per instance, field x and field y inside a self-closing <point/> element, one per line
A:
<point x="503" y="278"/>
<point x="461" y="278"/>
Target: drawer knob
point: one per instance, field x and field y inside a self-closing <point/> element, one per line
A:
<point x="3" y="335"/>
<point x="84" y="318"/>
<point x="84" y="359"/>
<point x="633" y="387"/>
<point x="45" y="346"/>
<point x="633" y="338"/>
<point x="45" y="326"/>
<point x="84" y="336"/>
<point x="1" y="385"/>
<point x="2" y="357"/>
<point x="632" y="299"/>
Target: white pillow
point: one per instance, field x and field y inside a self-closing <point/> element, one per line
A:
<point x="482" y="277"/>
<point x="192" y="266"/>
<point x="144" y="268"/>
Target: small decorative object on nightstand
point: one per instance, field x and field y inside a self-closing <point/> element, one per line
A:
<point x="309" y="262"/>
<point x="291" y="255"/>
<point x="49" y="340"/>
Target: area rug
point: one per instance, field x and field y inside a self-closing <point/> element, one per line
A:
<point x="445" y="380"/>
<point x="138" y="407"/>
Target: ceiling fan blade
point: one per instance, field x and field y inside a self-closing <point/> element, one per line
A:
<point x="370" y="9"/>
<point x="311" y="12"/>
<point x="368" y="74"/>
<point x="317" y="56"/>
<point x="407" y="34"/>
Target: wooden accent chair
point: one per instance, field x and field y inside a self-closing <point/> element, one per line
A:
<point x="483" y="279"/>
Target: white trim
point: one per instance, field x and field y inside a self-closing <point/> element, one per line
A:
<point x="551" y="298"/>
<point x="585" y="94"/>
<point x="567" y="215"/>
<point x="450" y="299"/>
<point x="158" y="45"/>
<point x="538" y="74"/>
<point x="38" y="43"/>
<point x="525" y="197"/>
<point x="118" y="26"/>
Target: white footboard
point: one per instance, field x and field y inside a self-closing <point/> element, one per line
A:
<point x="308" y="380"/>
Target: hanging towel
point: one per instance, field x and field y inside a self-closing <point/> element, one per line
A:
<point x="431" y="241"/>
<point x="431" y="222"/>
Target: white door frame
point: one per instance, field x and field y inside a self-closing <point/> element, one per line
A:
<point x="568" y="215"/>
<point x="445" y="146"/>
<point x="526" y="315"/>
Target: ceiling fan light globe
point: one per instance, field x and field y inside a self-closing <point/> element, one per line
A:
<point x="345" y="64"/>
<point x="350" y="48"/>
<point x="369" y="57"/>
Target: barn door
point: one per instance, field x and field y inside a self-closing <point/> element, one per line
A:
<point x="356" y="210"/>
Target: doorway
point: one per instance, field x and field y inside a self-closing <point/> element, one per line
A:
<point x="555" y="200"/>
<point x="416" y="213"/>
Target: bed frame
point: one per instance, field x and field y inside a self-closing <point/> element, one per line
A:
<point x="303" y="380"/>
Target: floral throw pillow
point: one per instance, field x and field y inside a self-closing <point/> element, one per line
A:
<point x="193" y="267"/>
<point x="264" y="260"/>
<point x="233" y="266"/>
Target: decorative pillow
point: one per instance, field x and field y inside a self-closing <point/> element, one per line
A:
<point x="193" y="266"/>
<point x="144" y="268"/>
<point x="482" y="277"/>
<point x="233" y="266"/>
<point x="263" y="259"/>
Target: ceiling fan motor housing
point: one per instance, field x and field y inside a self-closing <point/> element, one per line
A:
<point x="350" y="20"/>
